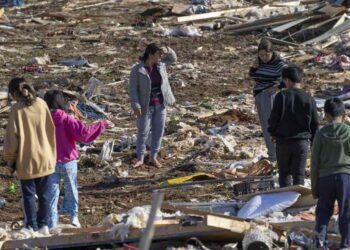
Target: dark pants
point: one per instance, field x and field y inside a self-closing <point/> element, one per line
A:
<point x="333" y="188"/>
<point x="291" y="160"/>
<point x="40" y="187"/>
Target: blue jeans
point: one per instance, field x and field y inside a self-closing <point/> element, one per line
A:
<point x="34" y="218"/>
<point x="68" y="172"/>
<point x="153" y="121"/>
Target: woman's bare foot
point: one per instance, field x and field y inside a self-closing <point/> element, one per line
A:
<point x="155" y="162"/>
<point x="138" y="164"/>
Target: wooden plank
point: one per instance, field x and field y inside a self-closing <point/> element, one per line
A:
<point x="340" y="29"/>
<point x="305" y="199"/>
<point x="257" y="27"/>
<point x="264" y="23"/>
<point x="211" y="113"/>
<point x="327" y="44"/>
<point x="289" y="25"/>
<point x="332" y="10"/>
<point x="233" y="225"/>
<point x="200" y="230"/>
<point x="340" y="21"/>
<point x="212" y="15"/>
<point x="313" y="26"/>
<point x="179" y="9"/>
<point x="268" y="20"/>
<point x="284" y="4"/>
<point x="303" y="224"/>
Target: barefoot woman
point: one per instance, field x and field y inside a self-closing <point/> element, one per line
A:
<point x="150" y="93"/>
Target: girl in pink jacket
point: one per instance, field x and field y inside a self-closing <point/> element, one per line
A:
<point x="68" y="131"/>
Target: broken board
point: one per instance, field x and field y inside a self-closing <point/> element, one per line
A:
<point x="213" y="15"/>
<point x="98" y="236"/>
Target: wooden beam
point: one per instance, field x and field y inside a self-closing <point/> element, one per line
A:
<point x="332" y="10"/>
<point x="338" y="30"/>
<point x="284" y="4"/>
<point x="95" y="238"/>
<point x="212" y="15"/>
<point x="233" y="225"/>
<point x="268" y="20"/>
<point x="257" y="27"/>
<point x="289" y="25"/>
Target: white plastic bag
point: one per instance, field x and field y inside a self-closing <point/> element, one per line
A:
<point x="261" y="205"/>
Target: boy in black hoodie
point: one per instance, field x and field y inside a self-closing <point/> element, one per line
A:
<point x="330" y="172"/>
<point x="292" y="124"/>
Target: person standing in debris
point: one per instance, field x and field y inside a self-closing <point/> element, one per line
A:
<point x="30" y="151"/>
<point x="330" y="173"/>
<point x="293" y="123"/>
<point x="68" y="131"/>
<point x="150" y="93"/>
<point x="266" y="73"/>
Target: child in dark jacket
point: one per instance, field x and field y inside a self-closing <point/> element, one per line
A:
<point x="330" y="172"/>
<point x="68" y="131"/>
<point x="293" y="123"/>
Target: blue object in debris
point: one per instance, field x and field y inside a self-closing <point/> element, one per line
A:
<point x="77" y="62"/>
<point x="11" y="3"/>
<point x="89" y="112"/>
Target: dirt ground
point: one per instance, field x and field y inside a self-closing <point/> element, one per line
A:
<point x="221" y="61"/>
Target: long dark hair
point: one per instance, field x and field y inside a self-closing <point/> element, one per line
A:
<point x="55" y="100"/>
<point x="266" y="45"/>
<point x="151" y="49"/>
<point x="19" y="87"/>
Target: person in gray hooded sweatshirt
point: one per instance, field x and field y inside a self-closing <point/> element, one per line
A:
<point x="150" y="93"/>
<point x="330" y="173"/>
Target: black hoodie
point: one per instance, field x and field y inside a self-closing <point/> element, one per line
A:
<point x="293" y="116"/>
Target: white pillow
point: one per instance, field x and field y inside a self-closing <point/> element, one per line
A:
<point x="261" y="205"/>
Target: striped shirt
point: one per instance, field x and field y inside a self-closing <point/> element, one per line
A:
<point x="267" y="75"/>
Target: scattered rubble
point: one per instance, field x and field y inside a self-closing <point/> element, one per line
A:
<point x="213" y="149"/>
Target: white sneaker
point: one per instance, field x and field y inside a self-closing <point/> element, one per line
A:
<point x="44" y="231"/>
<point x="75" y="222"/>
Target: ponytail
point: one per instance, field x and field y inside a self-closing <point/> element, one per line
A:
<point x="22" y="89"/>
<point x="151" y="49"/>
<point x="28" y="93"/>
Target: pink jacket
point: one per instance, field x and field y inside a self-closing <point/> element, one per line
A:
<point x="69" y="131"/>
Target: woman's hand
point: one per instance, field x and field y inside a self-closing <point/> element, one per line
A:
<point x="165" y="50"/>
<point x="137" y="112"/>
<point x="110" y="124"/>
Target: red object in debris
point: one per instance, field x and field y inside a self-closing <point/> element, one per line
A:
<point x="32" y="68"/>
<point x="306" y="216"/>
<point x="130" y="247"/>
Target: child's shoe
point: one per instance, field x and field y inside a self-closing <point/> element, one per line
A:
<point x="75" y="222"/>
